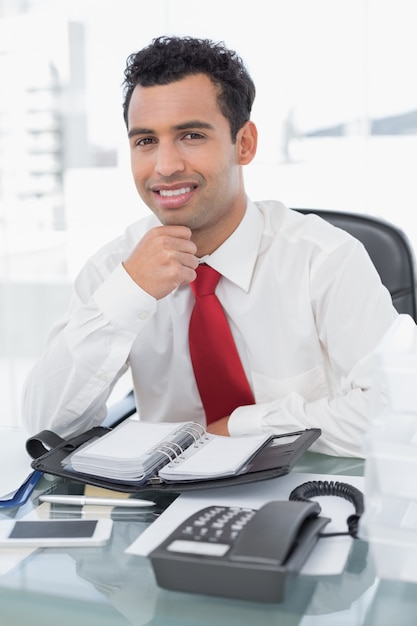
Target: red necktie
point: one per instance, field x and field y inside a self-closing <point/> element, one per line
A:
<point x="220" y="377"/>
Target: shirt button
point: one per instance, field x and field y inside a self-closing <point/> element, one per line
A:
<point x="143" y="315"/>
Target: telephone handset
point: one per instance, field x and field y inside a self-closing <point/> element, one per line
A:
<point x="239" y="552"/>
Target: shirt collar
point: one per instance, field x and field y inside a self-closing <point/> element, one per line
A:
<point x="236" y="257"/>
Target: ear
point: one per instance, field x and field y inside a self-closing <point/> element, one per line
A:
<point x="246" y="143"/>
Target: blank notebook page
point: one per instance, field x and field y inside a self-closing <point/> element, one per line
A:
<point x="130" y="440"/>
<point x="219" y="456"/>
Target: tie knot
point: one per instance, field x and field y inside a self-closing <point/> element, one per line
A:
<point x="206" y="281"/>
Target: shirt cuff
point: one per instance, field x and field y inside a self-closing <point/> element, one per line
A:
<point x="122" y="301"/>
<point x="246" y="420"/>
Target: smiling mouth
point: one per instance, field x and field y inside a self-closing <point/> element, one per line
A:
<point x="167" y="193"/>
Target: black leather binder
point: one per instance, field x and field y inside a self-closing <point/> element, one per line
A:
<point x="275" y="458"/>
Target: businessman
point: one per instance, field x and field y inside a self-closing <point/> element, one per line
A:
<point x="302" y="301"/>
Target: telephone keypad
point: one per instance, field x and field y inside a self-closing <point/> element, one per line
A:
<point x="216" y="524"/>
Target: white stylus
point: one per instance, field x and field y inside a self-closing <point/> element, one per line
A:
<point x="81" y="500"/>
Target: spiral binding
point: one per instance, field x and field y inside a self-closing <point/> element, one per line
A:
<point x="194" y="427"/>
<point x="172" y="449"/>
<point x="180" y="454"/>
<point x="165" y="453"/>
<point x="167" y="445"/>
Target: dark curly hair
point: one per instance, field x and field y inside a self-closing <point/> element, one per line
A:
<point x="168" y="59"/>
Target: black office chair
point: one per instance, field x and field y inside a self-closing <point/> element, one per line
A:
<point x="389" y="249"/>
<point x="391" y="253"/>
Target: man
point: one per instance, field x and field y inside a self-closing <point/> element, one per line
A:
<point x="303" y="301"/>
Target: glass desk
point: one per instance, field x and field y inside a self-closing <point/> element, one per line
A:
<point x="83" y="586"/>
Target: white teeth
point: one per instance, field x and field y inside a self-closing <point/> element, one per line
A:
<point x="174" y="192"/>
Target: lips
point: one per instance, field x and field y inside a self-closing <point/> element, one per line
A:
<point x="167" y="193"/>
<point x="170" y="198"/>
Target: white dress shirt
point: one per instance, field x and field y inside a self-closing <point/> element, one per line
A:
<point x="306" y="308"/>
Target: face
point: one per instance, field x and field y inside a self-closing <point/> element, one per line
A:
<point x="184" y="164"/>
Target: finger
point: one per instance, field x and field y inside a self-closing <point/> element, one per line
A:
<point x="186" y="276"/>
<point x="188" y="260"/>
<point x="178" y="245"/>
<point x="178" y="232"/>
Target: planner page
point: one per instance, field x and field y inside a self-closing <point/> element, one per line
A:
<point x="213" y="457"/>
<point x="127" y="452"/>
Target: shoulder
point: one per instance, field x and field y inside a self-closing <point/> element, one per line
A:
<point x="293" y="226"/>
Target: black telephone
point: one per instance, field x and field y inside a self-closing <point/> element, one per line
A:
<point x="239" y="552"/>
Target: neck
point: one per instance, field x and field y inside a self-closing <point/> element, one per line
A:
<point x="209" y="239"/>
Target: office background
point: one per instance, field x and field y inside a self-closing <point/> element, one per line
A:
<point x="336" y="110"/>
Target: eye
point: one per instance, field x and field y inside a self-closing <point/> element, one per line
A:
<point x="193" y="135"/>
<point x="145" y="141"/>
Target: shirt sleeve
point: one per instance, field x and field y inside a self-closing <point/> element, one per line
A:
<point x="353" y="310"/>
<point x="86" y="353"/>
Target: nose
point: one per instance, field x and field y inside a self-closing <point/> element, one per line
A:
<point x="169" y="160"/>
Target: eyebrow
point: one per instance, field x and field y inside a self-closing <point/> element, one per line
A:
<point x="195" y="124"/>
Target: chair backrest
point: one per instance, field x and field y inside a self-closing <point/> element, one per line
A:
<point x="389" y="249"/>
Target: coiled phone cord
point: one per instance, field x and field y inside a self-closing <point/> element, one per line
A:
<point x="316" y="488"/>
